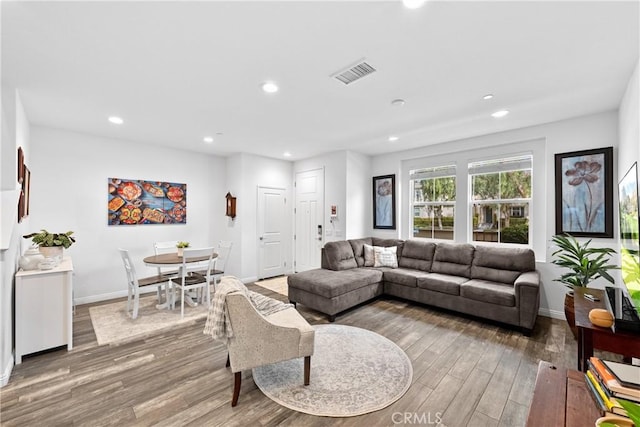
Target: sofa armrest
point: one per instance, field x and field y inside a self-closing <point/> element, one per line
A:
<point x="527" y="290"/>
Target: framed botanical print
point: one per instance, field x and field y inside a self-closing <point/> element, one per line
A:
<point x="584" y="193"/>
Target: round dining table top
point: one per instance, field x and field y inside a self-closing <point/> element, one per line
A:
<point x="172" y="259"/>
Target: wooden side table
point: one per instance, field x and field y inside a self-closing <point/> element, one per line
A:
<point x="561" y="398"/>
<point x="591" y="336"/>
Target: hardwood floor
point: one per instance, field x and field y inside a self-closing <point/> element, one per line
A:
<point x="466" y="373"/>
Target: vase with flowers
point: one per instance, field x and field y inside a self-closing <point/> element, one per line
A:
<point x="181" y="246"/>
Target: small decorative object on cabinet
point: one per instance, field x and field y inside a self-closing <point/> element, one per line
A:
<point x="586" y="264"/>
<point x="231" y="206"/>
<point x="51" y="244"/>
<point x="44" y="302"/>
<point x="31" y="258"/>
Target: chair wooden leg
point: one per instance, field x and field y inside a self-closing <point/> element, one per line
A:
<point x="307" y="369"/>
<point x="236" y="388"/>
<point x="228" y="361"/>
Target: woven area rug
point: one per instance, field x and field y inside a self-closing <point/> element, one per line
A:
<point x="353" y="372"/>
<point x="113" y="325"/>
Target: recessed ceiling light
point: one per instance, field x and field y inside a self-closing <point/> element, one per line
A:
<point x="398" y="102"/>
<point x="208" y="139"/>
<point x="413" y="4"/>
<point x="393" y="138"/>
<point x="116" y="120"/>
<point x="487" y="96"/>
<point x="269" y="87"/>
<point x="286" y="154"/>
<point x="500" y="113"/>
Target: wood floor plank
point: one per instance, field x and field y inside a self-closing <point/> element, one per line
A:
<point x="461" y="366"/>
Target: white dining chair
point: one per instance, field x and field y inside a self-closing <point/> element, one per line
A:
<point x="220" y="263"/>
<point x="193" y="276"/>
<point x="166" y="247"/>
<point x="134" y="283"/>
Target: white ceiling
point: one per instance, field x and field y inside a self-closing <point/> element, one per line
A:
<point x="178" y="71"/>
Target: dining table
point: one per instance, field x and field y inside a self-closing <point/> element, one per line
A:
<point x="173" y="260"/>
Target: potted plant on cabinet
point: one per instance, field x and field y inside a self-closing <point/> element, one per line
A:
<point x="585" y="264"/>
<point x="181" y="246"/>
<point x="51" y="245"/>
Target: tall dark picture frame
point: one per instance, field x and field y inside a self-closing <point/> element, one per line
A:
<point x="384" y="202"/>
<point x="584" y="193"/>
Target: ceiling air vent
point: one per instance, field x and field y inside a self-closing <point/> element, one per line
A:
<point x="354" y="72"/>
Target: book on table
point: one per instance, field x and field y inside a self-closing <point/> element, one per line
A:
<point x="605" y="403"/>
<point x="627" y="375"/>
<point x="610" y="381"/>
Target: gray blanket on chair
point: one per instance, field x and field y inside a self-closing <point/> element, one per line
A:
<point x="218" y="324"/>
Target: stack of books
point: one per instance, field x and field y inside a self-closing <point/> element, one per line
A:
<point x="611" y="381"/>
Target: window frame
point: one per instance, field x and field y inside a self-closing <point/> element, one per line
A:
<point x="449" y="171"/>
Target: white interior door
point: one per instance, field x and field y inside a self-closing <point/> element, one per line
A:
<point x="271" y="246"/>
<point x="309" y="219"/>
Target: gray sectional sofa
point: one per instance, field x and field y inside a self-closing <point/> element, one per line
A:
<point x="495" y="283"/>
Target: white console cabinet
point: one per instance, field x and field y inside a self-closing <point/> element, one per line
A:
<point x="44" y="309"/>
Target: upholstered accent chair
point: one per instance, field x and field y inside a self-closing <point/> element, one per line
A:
<point x="261" y="340"/>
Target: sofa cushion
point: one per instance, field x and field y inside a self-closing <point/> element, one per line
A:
<point x="339" y="255"/>
<point x="501" y="264"/>
<point x="491" y="292"/>
<point x="453" y="259"/>
<point x="417" y="254"/>
<point x="369" y="256"/>
<point x="385" y="257"/>
<point x="358" y="249"/>
<point x="444" y="283"/>
<point x="330" y="283"/>
<point x="403" y="276"/>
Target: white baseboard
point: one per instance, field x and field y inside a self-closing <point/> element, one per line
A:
<point x="6" y="373"/>
<point x="111" y="295"/>
<point x="554" y="314"/>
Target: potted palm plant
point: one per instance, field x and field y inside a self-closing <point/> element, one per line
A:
<point x="585" y="264"/>
<point x="51" y="244"/>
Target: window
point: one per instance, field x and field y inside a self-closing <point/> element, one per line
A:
<point x="501" y="200"/>
<point x="433" y="202"/>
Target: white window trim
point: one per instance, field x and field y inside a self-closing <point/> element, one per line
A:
<point x="461" y="159"/>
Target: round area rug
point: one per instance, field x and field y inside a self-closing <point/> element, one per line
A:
<point x="353" y="372"/>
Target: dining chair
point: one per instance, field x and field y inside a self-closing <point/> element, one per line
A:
<point x="220" y="262"/>
<point x="166" y="247"/>
<point x="192" y="276"/>
<point x="134" y="284"/>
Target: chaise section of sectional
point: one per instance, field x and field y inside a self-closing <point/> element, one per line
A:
<point x="337" y="286"/>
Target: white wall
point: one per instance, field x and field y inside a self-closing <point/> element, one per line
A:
<point x="246" y="173"/>
<point x="69" y="192"/>
<point x="15" y="133"/>
<point x="358" y="217"/>
<point x="335" y="189"/>
<point x="582" y="133"/>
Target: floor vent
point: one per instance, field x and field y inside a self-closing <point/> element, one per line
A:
<point x="355" y="72"/>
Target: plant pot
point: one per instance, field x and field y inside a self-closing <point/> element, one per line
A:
<point x="180" y="251"/>
<point x="570" y="314"/>
<point x="53" y="252"/>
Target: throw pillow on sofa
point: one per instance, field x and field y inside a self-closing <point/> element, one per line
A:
<point x="369" y="256"/>
<point x="385" y="257"/>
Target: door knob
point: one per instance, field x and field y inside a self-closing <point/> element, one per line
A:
<point x="261" y="238"/>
